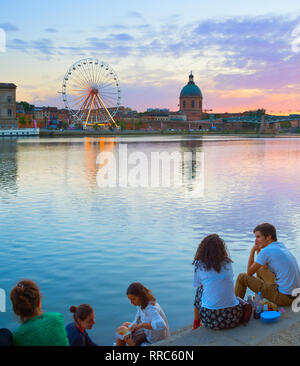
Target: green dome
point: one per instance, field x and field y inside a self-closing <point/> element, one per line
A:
<point x="191" y="89"/>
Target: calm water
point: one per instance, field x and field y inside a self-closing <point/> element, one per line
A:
<point x="86" y="244"/>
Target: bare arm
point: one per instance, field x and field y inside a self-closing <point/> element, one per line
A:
<point x="253" y="267"/>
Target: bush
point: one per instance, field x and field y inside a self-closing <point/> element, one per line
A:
<point x="22" y="120"/>
<point x="285" y="124"/>
<point x="122" y="125"/>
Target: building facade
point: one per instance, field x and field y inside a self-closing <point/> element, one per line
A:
<point x="190" y="100"/>
<point x="8" y="116"/>
<point x="46" y="113"/>
<point x="45" y="116"/>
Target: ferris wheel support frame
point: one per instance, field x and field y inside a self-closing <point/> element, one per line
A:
<point x="98" y="96"/>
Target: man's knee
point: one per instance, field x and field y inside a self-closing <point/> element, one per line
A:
<point x="242" y="278"/>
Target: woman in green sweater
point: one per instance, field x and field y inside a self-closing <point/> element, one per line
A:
<point x="38" y="328"/>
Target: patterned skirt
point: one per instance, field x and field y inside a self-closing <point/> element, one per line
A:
<point x="220" y="318"/>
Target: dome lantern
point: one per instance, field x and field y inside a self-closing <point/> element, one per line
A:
<point x="191" y="89"/>
<point x="191" y="78"/>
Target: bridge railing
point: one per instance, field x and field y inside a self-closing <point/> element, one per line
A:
<point x="267" y="119"/>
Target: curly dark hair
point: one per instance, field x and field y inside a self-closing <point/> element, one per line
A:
<point x="25" y="298"/>
<point x="212" y="252"/>
<point x="137" y="289"/>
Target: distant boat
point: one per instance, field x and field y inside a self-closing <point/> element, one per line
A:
<point x="20" y="132"/>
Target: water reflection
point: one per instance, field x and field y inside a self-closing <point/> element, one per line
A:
<point x="194" y="170"/>
<point x="84" y="243"/>
<point x="92" y="149"/>
<point x="8" y="165"/>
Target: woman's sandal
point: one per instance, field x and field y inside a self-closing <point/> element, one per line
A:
<point x="197" y="324"/>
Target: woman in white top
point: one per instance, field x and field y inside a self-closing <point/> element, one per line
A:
<point x="216" y="305"/>
<point x="150" y="324"/>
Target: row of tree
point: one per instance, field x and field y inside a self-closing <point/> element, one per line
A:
<point x="25" y="120"/>
<point x="27" y="107"/>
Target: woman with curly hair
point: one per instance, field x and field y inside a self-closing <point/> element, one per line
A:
<point x="38" y="328"/>
<point x="150" y="324"/>
<point x="216" y="305"/>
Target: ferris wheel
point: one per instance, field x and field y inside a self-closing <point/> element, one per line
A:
<point x="91" y="92"/>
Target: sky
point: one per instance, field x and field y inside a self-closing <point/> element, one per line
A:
<point x="244" y="55"/>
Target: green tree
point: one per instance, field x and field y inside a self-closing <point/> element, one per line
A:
<point x="285" y="124"/>
<point x="122" y="124"/>
<point x="27" y="107"/>
<point x="260" y="112"/>
<point x="28" y="120"/>
<point x="139" y="123"/>
<point x="22" y="120"/>
<point x="256" y="114"/>
<point x="65" y="125"/>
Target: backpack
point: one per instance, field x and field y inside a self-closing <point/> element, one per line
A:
<point x="247" y="311"/>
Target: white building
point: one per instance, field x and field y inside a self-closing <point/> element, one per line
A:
<point x="8" y="116"/>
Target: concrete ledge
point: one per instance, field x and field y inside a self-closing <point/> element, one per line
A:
<point x="284" y="332"/>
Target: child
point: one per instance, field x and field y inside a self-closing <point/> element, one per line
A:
<point x="84" y="318"/>
<point x="150" y="324"/>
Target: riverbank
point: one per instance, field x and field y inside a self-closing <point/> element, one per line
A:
<point x="95" y="133"/>
<point x="284" y="332"/>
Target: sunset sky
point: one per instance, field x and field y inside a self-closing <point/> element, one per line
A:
<point x="243" y="54"/>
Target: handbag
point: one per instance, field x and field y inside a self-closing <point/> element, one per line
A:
<point x="247" y="311"/>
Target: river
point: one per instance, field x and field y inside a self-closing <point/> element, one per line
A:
<point x="85" y="243"/>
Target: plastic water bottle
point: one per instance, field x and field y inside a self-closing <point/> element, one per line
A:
<point x="260" y="303"/>
<point x="257" y="306"/>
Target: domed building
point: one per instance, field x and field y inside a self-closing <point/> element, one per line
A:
<point x="191" y="100"/>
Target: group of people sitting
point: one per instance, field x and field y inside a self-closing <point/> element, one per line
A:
<point x="218" y="302"/>
<point x="39" y="328"/>
<point x="217" y="305"/>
